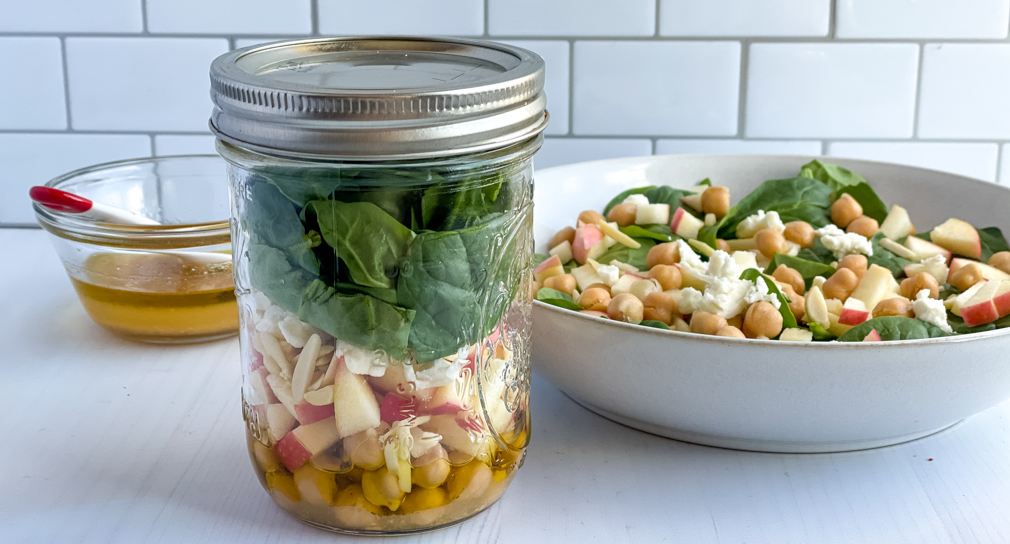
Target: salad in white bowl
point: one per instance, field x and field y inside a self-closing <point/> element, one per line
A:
<point x="815" y="257"/>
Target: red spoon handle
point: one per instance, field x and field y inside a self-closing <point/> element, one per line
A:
<point x="59" y="200"/>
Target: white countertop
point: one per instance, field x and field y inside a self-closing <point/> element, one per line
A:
<point x="108" y="441"/>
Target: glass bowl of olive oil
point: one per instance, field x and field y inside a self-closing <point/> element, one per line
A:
<point x="166" y="283"/>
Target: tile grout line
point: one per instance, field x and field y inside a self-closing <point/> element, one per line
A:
<point x="656" y="33"/>
<point x="154" y="149"/>
<point x="744" y="73"/>
<point x="918" y="91"/>
<point x="143" y="16"/>
<point x="487" y="20"/>
<point x="314" y="15"/>
<point x="999" y="162"/>
<point x="571" y="88"/>
<point x="832" y="19"/>
<point x="66" y="84"/>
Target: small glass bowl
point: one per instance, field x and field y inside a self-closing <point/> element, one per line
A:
<point x="170" y="283"/>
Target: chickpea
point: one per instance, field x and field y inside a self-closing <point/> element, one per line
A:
<point x="896" y="307"/>
<point x="966" y="276"/>
<point x="1001" y="261"/>
<point x="787" y="275"/>
<point x="799" y="232"/>
<point x="667" y="275"/>
<point x="665" y="253"/>
<point x="566" y="234"/>
<point x="431" y="474"/>
<point x="591" y="217"/>
<point x="855" y="263"/>
<point x="864" y="226"/>
<point x="365" y="450"/>
<point x="706" y="323"/>
<point x="769" y="242"/>
<point x="797" y="304"/>
<point x="603" y="286"/>
<point x="537" y="286"/>
<point x="730" y="331"/>
<point x="595" y="298"/>
<point x="841" y="284"/>
<point x="715" y="200"/>
<point x="642" y="288"/>
<point x="382" y="488"/>
<point x="735" y="321"/>
<point x="626" y="307"/>
<point x="564" y="283"/>
<point x="723" y="245"/>
<point x="911" y="286"/>
<point x="762" y="319"/>
<point x="660" y="306"/>
<point x="623" y="214"/>
<point x="845" y="210"/>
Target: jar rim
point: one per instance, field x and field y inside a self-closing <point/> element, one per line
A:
<point x="129" y="236"/>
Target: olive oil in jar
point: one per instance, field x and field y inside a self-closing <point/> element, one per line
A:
<point x="159" y="297"/>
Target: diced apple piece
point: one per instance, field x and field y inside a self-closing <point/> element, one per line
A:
<point x="877" y="284"/>
<point x="315" y="486"/>
<point x="459" y="438"/>
<point x="588" y="243"/>
<point x="694" y="201"/>
<point x="796" y="335"/>
<point x="853" y="312"/>
<point x="396" y="408"/>
<point x="551" y="267"/>
<point x="938" y="270"/>
<point x="981" y="308"/>
<point x="279" y="421"/>
<point x="685" y="225"/>
<point x="897" y="249"/>
<point x="835" y="306"/>
<point x="1002" y="299"/>
<point x="585" y="276"/>
<point x="563" y="251"/>
<point x="817" y="307"/>
<point x="306" y="441"/>
<point x="354" y="404"/>
<point x="924" y="249"/>
<point x="959" y="237"/>
<point x="448" y="399"/>
<point x="835" y="327"/>
<point x="258" y="381"/>
<point x="990" y="273"/>
<point x="897" y="224"/>
<point x="873" y="336"/>
<point x="306" y="412"/>
<point x="745" y="259"/>
<point x="962" y="299"/>
<point x="623" y="285"/>
<point x="652" y="214"/>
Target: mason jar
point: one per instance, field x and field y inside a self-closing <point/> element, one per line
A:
<point x="382" y="236"/>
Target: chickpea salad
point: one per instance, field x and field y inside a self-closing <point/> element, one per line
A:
<point x="816" y="257"/>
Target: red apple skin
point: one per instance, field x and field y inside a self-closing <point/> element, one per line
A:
<point x="959" y="237"/>
<point x="988" y="272"/>
<point x="551" y="261"/>
<point x="306" y="413"/>
<point x="979" y="314"/>
<point x="853" y="317"/>
<point x="874" y="336"/>
<point x="1002" y="299"/>
<point x="396" y="408"/>
<point x="586" y="237"/>
<point x="292" y="453"/>
<point x="677" y="216"/>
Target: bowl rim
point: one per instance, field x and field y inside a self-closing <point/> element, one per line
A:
<point x="945" y="340"/>
<point x="137" y="236"/>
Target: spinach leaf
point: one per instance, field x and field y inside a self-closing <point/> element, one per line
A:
<point x="301" y="185"/>
<point x="655" y="324"/>
<point x="634" y="257"/>
<point x="817" y="253"/>
<point x="271" y="273"/>
<point x="385" y="295"/>
<point x="361" y="320"/>
<point x="788" y="319"/>
<point x="707" y="182"/>
<point x="661" y="233"/>
<point x="459" y="283"/>
<point x="454" y="205"/>
<point x="557" y="298"/>
<point x="795" y="199"/>
<point x="832" y="175"/>
<point x="883" y="257"/>
<point x="893" y="328"/>
<point x="272" y="220"/>
<point x="807" y="269"/>
<point x="709" y="235"/>
<point x="368" y="240"/>
<point x="993" y="241"/>
<point x="959" y="327"/>
<point x="820" y="333"/>
<point x="657" y="194"/>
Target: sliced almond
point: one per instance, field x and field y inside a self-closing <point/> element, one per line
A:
<point x="745" y="244"/>
<point x="710" y="220"/>
<point x="306" y="365"/>
<point x="817" y="307"/>
<point x="320" y="397"/>
<point x="272" y="349"/>
<point x="702" y="247"/>
<point x="617" y="235"/>
<point x="897" y="249"/>
<point x="593" y="263"/>
<point x="623" y="267"/>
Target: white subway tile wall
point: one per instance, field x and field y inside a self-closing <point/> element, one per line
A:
<point x="914" y="81"/>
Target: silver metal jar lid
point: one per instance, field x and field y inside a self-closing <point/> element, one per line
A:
<point x="377" y="98"/>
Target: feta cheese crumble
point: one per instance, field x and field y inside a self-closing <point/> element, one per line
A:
<point x="722" y="265"/>
<point x="362" y="361"/>
<point x="723" y="296"/>
<point x="759" y="221"/>
<point x="690" y="259"/>
<point x="637" y="200"/>
<point x="759" y="292"/>
<point x="843" y="243"/>
<point x="931" y="310"/>
<point x="609" y="274"/>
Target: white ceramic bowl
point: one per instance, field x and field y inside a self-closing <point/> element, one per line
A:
<point x="766" y="395"/>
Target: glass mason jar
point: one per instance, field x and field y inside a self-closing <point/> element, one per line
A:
<point x="382" y="231"/>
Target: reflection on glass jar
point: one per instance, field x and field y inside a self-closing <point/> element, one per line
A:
<point x="385" y="305"/>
